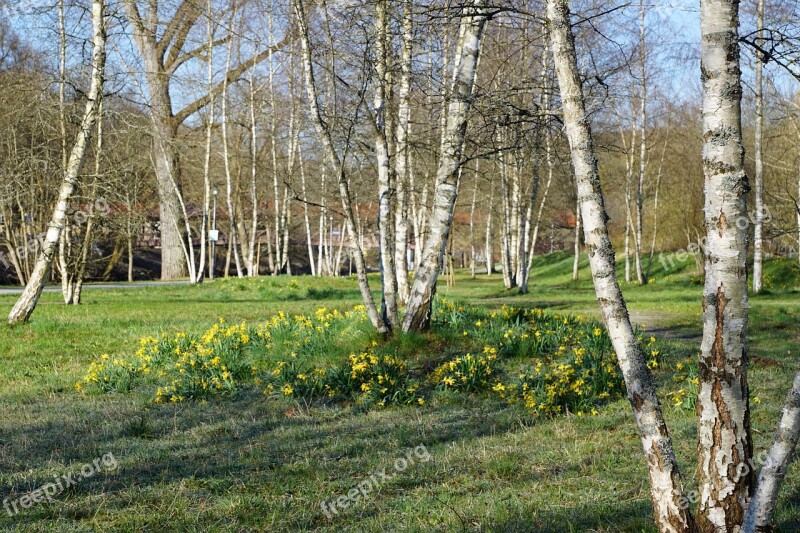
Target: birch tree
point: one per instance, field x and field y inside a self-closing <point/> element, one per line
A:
<point x="666" y="488"/>
<point x="403" y="155"/>
<point x="758" y="242"/>
<point x="386" y="223"/>
<point x="27" y="301"/>
<point x="338" y="164"/>
<point x="475" y="16"/>
<point x="722" y="402"/>
<point x="724" y="440"/>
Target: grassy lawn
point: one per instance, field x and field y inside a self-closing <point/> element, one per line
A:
<point x="252" y="463"/>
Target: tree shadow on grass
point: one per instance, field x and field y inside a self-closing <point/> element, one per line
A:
<point x="216" y="447"/>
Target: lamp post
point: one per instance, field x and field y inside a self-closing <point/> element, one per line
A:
<point x="213" y="235"/>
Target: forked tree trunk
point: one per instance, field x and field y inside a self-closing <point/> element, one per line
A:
<point x="338" y="165"/>
<point x="473" y="23"/>
<point x="665" y="478"/>
<point x="724" y="444"/>
<point x="30" y="296"/>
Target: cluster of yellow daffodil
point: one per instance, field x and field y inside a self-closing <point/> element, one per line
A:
<point x="686" y="378"/>
<point x="367" y="378"/>
<point x="467" y="373"/>
<point x="560" y="362"/>
<point x="115" y="374"/>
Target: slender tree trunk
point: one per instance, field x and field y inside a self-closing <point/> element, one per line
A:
<point x="472" y="228"/>
<point x="488" y="245"/>
<point x="548" y="154"/>
<point x="385" y="200"/>
<point x="80" y="267"/>
<point x="207" y="156"/>
<point x="724" y="444"/>
<point x="640" y="278"/>
<point x="473" y="23"/>
<point x="402" y="163"/>
<point x="655" y="211"/>
<point x="577" y="257"/>
<point x="758" y="242"/>
<point x="762" y="504"/>
<point x="338" y="165"/>
<point x="251" y="249"/>
<point x="306" y="218"/>
<point x="232" y="237"/>
<point x="30" y="296"/>
<point x="665" y="479"/>
<point x="508" y="275"/>
<point x="130" y="259"/>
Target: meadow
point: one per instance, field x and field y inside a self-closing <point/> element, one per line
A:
<point x="243" y="405"/>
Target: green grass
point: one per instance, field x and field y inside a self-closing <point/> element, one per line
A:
<point x="256" y="464"/>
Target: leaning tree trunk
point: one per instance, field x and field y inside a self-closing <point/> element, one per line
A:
<point x="337" y="165"/>
<point x="418" y="310"/>
<point x="665" y="479"/>
<point x="30" y="296"/>
<point x="762" y="504"/>
<point x="724" y="445"/>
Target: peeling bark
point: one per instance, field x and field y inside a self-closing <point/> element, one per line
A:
<point x="724" y="444"/>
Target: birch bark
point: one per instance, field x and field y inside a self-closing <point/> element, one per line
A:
<point x="665" y="479"/>
<point x="27" y="301"/>
<point x="724" y="444"/>
<point x="473" y="23"/>
<point x="758" y="243"/>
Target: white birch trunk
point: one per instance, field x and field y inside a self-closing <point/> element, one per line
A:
<point x="762" y="504"/>
<point x="642" y="146"/>
<point x="665" y="479"/>
<point x="402" y="163"/>
<point x="758" y="243"/>
<point x="252" y="268"/>
<point x="27" y="301"/>
<point x="724" y="445"/>
<point x="207" y="155"/>
<point x="577" y="257"/>
<point x="232" y="236"/>
<point x="338" y="166"/>
<point x="473" y="23"/>
<point x="385" y="201"/>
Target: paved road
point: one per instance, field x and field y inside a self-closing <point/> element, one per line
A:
<point x="101" y="286"/>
